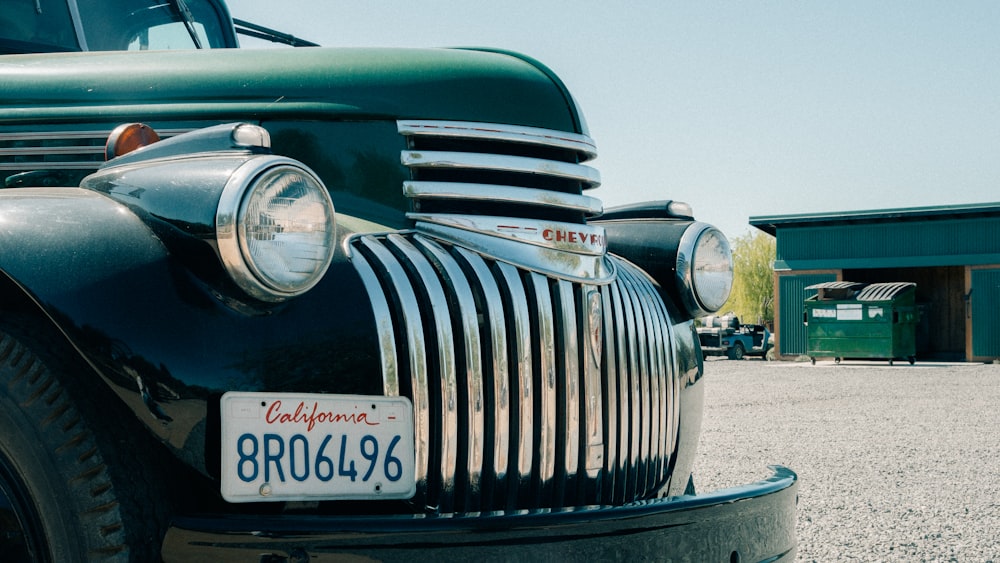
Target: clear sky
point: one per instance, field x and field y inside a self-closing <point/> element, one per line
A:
<point x="738" y="108"/>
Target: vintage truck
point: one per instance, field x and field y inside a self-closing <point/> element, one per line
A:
<point x="310" y="304"/>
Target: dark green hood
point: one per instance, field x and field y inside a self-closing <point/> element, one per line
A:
<point x="221" y="84"/>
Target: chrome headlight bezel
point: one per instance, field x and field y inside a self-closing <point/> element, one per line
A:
<point x="704" y="269"/>
<point x="240" y="257"/>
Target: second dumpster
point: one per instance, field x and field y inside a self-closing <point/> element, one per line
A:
<point x="862" y="321"/>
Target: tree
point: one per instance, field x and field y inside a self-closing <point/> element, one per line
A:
<point x="752" y="298"/>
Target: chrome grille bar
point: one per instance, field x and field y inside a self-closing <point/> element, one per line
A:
<point x="501" y="133"/>
<point x="615" y="400"/>
<point x="569" y="376"/>
<point x="472" y="441"/>
<point x="524" y="378"/>
<point x="502" y="163"/>
<point x="494" y="483"/>
<point x="646" y="386"/>
<point x="410" y="322"/>
<point x="491" y="193"/>
<point x="383" y="326"/>
<point x="546" y="441"/>
<point x="616" y="396"/>
<point x="532" y="392"/>
<point x="447" y="392"/>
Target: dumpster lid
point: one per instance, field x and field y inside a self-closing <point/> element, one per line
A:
<point x="836" y="285"/>
<point x="884" y="291"/>
<point x="835" y="291"/>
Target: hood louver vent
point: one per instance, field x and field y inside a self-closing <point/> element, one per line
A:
<point x="57" y="150"/>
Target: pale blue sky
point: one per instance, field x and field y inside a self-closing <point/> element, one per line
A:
<point x="739" y="108"/>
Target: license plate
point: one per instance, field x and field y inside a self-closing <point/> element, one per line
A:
<point x="297" y="446"/>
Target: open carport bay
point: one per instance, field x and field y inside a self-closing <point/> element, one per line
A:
<point x="896" y="463"/>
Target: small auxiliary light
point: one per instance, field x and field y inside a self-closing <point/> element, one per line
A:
<point x="127" y="138"/>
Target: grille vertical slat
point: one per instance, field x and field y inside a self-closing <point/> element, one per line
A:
<point x="614" y="430"/>
<point x="524" y="400"/>
<point x="620" y="378"/>
<point x="647" y="383"/>
<point x="469" y="441"/>
<point x="591" y="314"/>
<point x="555" y="419"/>
<point x="495" y="477"/>
<point x="635" y="393"/>
<point x="568" y="390"/>
<point x="546" y="399"/>
<point x="410" y="322"/>
<point x="653" y="376"/>
<point x="383" y="326"/>
<point x="447" y="407"/>
<point x="663" y="351"/>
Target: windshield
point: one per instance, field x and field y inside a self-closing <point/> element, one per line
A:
<point x="37" y="26"/>
<point x="108" y="25"/>
<point x="138" y="25"/>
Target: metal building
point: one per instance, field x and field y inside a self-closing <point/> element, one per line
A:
<point x="951" y="252"/>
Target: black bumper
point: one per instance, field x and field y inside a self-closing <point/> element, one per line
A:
<point x="751" y="523"/>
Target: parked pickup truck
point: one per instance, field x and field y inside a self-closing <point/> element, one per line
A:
<point x="725" y="336"/>
<point x="305" y="304"/>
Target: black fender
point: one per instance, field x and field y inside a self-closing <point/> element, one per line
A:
<point x="56" y="241"/>
<point x="166" y="341"/>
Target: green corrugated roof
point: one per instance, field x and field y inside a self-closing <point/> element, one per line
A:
<point x="946" y="235"/>
<point x="770" y="224"/>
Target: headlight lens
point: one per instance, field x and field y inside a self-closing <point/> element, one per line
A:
<point x="284" y="233"/>
<point x="704" y="269"/>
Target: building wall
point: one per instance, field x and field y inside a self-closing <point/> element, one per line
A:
<point x="951" y="242"/>
<point x="790" y="337"/>
<point x="984" y="313"/>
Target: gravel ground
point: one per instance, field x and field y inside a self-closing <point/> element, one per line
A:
<point x="895" y="463"/>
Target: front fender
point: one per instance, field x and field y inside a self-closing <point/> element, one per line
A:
<point x="53" y="240"/>
<point x="166" y="341"/>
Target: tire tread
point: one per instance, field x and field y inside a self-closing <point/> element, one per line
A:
<point x="73" y="449"/>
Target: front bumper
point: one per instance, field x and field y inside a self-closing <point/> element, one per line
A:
<point x="751" y="523"/>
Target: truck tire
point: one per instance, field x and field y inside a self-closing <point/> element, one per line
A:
<point x="736" y="352"/>
<point x="58" y="501"/>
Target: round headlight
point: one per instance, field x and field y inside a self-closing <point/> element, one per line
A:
<point x="704" y="269"/>
<point x="276" y="228"/>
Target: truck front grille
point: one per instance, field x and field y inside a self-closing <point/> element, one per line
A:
<point x="530" y="392"/>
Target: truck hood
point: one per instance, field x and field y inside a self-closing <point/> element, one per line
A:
<point x="448" y="84"/>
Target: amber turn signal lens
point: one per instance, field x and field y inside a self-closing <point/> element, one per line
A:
<point x="128" y="137"/>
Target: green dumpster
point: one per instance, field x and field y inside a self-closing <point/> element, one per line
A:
<point x="857" y="320"/>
